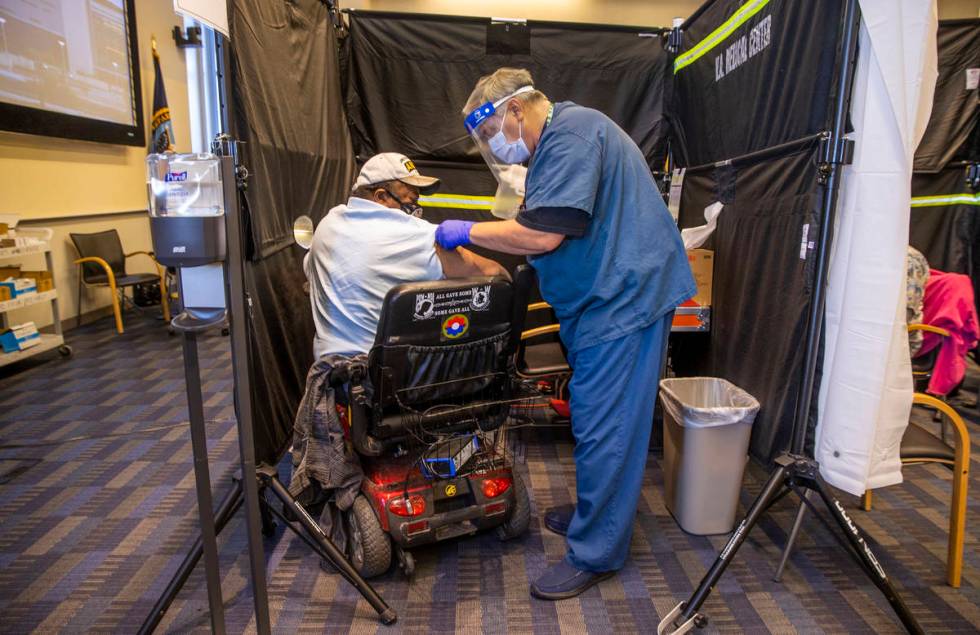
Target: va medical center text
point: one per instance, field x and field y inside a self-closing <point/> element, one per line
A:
<point x="744" y="48"/>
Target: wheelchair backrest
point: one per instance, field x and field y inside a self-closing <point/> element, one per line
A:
<point x="448" y="340"/>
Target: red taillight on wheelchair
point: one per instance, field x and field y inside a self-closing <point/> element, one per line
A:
<point x="494" y="487"/>
<point x="415" y="528"/>
<point x="494" y="508"/>
<point x="414" y="505"/>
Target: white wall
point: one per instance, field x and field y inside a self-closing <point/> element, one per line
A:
<point x="955" y="9"/>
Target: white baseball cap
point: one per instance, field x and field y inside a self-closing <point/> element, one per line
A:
<point x="391" y="166"/>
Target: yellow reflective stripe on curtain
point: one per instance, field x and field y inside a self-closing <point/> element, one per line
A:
<point x="720" y="34"/>
<point x="946" y="199"/>
<point x="461" y="201"/>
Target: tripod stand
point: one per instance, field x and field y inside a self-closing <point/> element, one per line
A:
<point x="795" y="472"/>
<point x="314" y="537"/>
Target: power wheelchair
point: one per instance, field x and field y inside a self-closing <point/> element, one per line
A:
<point x="425" y="413"/>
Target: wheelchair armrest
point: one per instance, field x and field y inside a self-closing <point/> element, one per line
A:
<point x="363" y="442"/>
<point x="347" y="372"/>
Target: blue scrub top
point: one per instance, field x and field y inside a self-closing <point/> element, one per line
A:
<point x="630" y="267"/>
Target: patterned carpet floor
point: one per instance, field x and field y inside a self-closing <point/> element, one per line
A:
<point x="97" y="509"/>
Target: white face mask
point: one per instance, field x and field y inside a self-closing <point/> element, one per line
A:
<point x="511" y="152"/>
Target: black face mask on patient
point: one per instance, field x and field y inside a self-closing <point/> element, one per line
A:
<point x="412" y="209"/>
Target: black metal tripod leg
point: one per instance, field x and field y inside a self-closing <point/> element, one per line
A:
<point x="301" y="535"/>
<point x="265" y="513"/>
<point x="869" y="562"/>
<point x="385" y="612"/>
<point x="226" y="509"/>
<point x="791" y="540"/>
<point x="202" y="478"/>
<point x="683" y="617"/>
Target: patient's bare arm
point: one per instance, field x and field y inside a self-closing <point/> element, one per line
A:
<point x="462" y="263"/>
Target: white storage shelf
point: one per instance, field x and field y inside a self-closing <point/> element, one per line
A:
<point x="17" y="252"/>
<point x="48" y="341"/>
<point x="27" y="300"/>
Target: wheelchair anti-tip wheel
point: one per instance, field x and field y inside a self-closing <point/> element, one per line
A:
<point x="368" y="546"/>
<point x="520" y="515"/>
<point x="405" y="561"/>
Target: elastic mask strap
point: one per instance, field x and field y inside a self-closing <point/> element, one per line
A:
<point x="519" y="91"/>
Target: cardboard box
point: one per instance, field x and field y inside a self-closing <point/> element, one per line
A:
<point x="42" y="279"/>
<point x="36" y="275"/>
<point x="702" y="263"/>
<point x="19" y="286"/>
<point x="5" y="294"/>
<point x="4" y="228"/>
<point x="9" y="271"/>
<point x="20" y="337"/>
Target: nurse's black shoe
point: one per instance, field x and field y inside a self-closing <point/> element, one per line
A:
<point x="562" y="581"/>
<point x="558" y="518"/>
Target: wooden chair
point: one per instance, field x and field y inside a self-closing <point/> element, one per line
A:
<point x="544" y="358"/>
<point x="923" y="365"/>
<point x="103" y="264"/>
<point x="921" y="446"/>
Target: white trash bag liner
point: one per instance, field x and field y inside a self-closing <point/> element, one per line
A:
<point x="707" y="428"/>
<point x="704" y="402"/>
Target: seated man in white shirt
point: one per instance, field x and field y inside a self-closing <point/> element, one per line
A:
<point x="370" y="244"/>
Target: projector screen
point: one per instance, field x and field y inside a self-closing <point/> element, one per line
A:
<point x="69" y="68"/>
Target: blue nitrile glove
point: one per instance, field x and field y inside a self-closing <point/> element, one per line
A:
<point x="451" y="234"/>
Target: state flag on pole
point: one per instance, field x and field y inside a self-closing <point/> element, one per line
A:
<point x="163" y="130"/>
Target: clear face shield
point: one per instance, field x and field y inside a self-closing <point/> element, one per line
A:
<point x="490" y="129"/>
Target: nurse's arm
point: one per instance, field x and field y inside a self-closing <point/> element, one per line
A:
<point x="463" y="263"/>
<point x="511" y="237"/>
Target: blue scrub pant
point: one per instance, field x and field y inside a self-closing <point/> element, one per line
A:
<point x="613" y="391"/>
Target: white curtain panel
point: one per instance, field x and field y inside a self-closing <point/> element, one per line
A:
<point x="866" y="391"/>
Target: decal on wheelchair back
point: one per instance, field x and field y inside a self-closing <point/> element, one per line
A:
<point x="440" y="305"/>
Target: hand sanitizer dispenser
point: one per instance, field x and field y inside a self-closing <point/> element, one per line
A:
<point x="186" y="203"/>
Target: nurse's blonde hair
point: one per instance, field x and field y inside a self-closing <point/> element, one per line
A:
<point x="499" y="84"/>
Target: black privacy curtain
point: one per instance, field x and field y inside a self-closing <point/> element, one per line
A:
<point x="752" y="90"/>
<point x="407" y="77"/>
<point x="952" y="133"/>
<point x="944" y="223"/>
<point x="287" y="109"/>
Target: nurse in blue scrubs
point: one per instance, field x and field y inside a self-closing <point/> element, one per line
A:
<point x="611" y="263"/>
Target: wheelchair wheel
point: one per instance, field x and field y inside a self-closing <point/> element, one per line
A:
<point x="520" y="516"/>
<point x="368" y="546"/>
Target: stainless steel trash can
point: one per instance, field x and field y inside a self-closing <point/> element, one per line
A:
<point x="707" y="425"/>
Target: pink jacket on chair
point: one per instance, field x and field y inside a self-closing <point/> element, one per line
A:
<point x="948" y="304"/>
